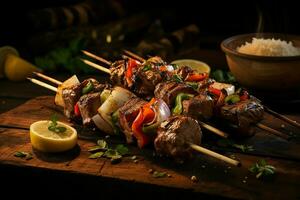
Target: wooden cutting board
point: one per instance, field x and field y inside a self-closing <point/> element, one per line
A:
<point x="215" y="178"/>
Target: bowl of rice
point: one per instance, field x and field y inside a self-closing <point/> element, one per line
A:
<point x="264" y="61"/>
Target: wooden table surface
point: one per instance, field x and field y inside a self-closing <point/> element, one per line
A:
<point x="216" y="179"/>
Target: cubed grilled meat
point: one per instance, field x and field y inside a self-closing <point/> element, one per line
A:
<point x="175" y="135"/>
<point x="127" y="114"/>
<point x="183" y="71"/>
<point x="168" y="91"/>
<point x="72" y="94"/>
<point x="200" y="107"/>
<point x="88" y="105"/>
<point x="145" y="81"/>
<point x="243" y="114"/>
<point x="118" y="70"/>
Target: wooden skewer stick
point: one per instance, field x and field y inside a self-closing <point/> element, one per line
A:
<point x="96" y="57"/>
<point x="215" y="155"/>
<point x="213" y="129"/>
<point x="284" y="118"/>
<point x="52" y="80"/>
<point x="272" y="131"/>
<point x="45" y="85"/>
<point x="99" y="67"/>
<point x="133" y="55"/>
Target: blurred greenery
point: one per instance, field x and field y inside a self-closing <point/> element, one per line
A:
<point x="223" y="76"/>
<point x="66" y="58"/>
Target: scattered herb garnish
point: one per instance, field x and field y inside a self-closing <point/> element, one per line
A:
<point x="120" y="148"/>
<point x="54" y="126"/>
<point x="157" y="174"/>
<point x="262" y="169"/>
<point x="177" y="78"/>
<point x="102" y="150"/>
<point x="230" y="143"/>
<point x="243" y="148"/>
<point x="146" y="68"/>
<point x="102" y="144"/>
<point x="96" y="155"/>
<point x="23" y="154"/>
<point x="223" y="76"/>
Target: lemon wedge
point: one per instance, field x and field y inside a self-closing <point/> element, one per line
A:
<point x="17" y="69"/>
<point x="199" y="66"/>
<point x="4" y="51"/>
<point x="48" y="141"/>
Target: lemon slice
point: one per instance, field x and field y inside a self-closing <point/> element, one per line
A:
<point x="48" y="141"/>
<point x="199" y="66"/>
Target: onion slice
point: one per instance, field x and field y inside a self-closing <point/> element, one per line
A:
<point x="102" y="124"/>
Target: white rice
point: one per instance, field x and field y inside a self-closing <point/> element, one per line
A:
<point x="269" y="47"/>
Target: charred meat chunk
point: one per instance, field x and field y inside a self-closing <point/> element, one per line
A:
<point x="145" y="81"/>
<point x="175" y="135"/>
<point x="243" y="114"/>
<point x="127" y="114"/>
<point x="200" y="107"/>
<point x="88" y="105"/>
<point x="184" y="71"/>
<point x="118" y="70"/>
<point x="168" y="91"/>
<point x="72" y="94"/>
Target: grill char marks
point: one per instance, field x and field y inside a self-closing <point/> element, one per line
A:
<point x="243" y="115"/>
<point x="175" y="135"/>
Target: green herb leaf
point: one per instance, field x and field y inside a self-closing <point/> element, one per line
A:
<point x="54" y="119"/>
<point x="96" y="155"/>
<point x="111" y="153"/>
<point x="230" y="143"/>
<point x="243" y="148"/>
<point x="20" y="154"/>
<point x="146" y="68"/>
<point x="177" y="78"/>
<point x="102" y="144"/>
<point x="261" y="168"/>
<point x="53" y="125"/>
<point x="121" y="149"/>
<point x="23" y="154"/>
<point x="157" y="174"/>
<point x="96" y="148"/>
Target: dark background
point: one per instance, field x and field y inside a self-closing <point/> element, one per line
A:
<point x="21" y="21"/>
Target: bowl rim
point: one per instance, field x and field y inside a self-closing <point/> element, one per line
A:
<point x="227" y="50"/>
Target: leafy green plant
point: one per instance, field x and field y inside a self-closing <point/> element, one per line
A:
<point x="65" y="58"/>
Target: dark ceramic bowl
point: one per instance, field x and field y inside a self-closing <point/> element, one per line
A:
<point x="263" y="72"/>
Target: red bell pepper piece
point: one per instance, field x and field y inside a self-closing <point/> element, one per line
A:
<point x="146" y="114"/>
<point x="76" y="110"/>
<point x="244" y="96"/>
<point x="129" y="72"/>
<point x="196" y="77"/>
<point x="214" y="91"/>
